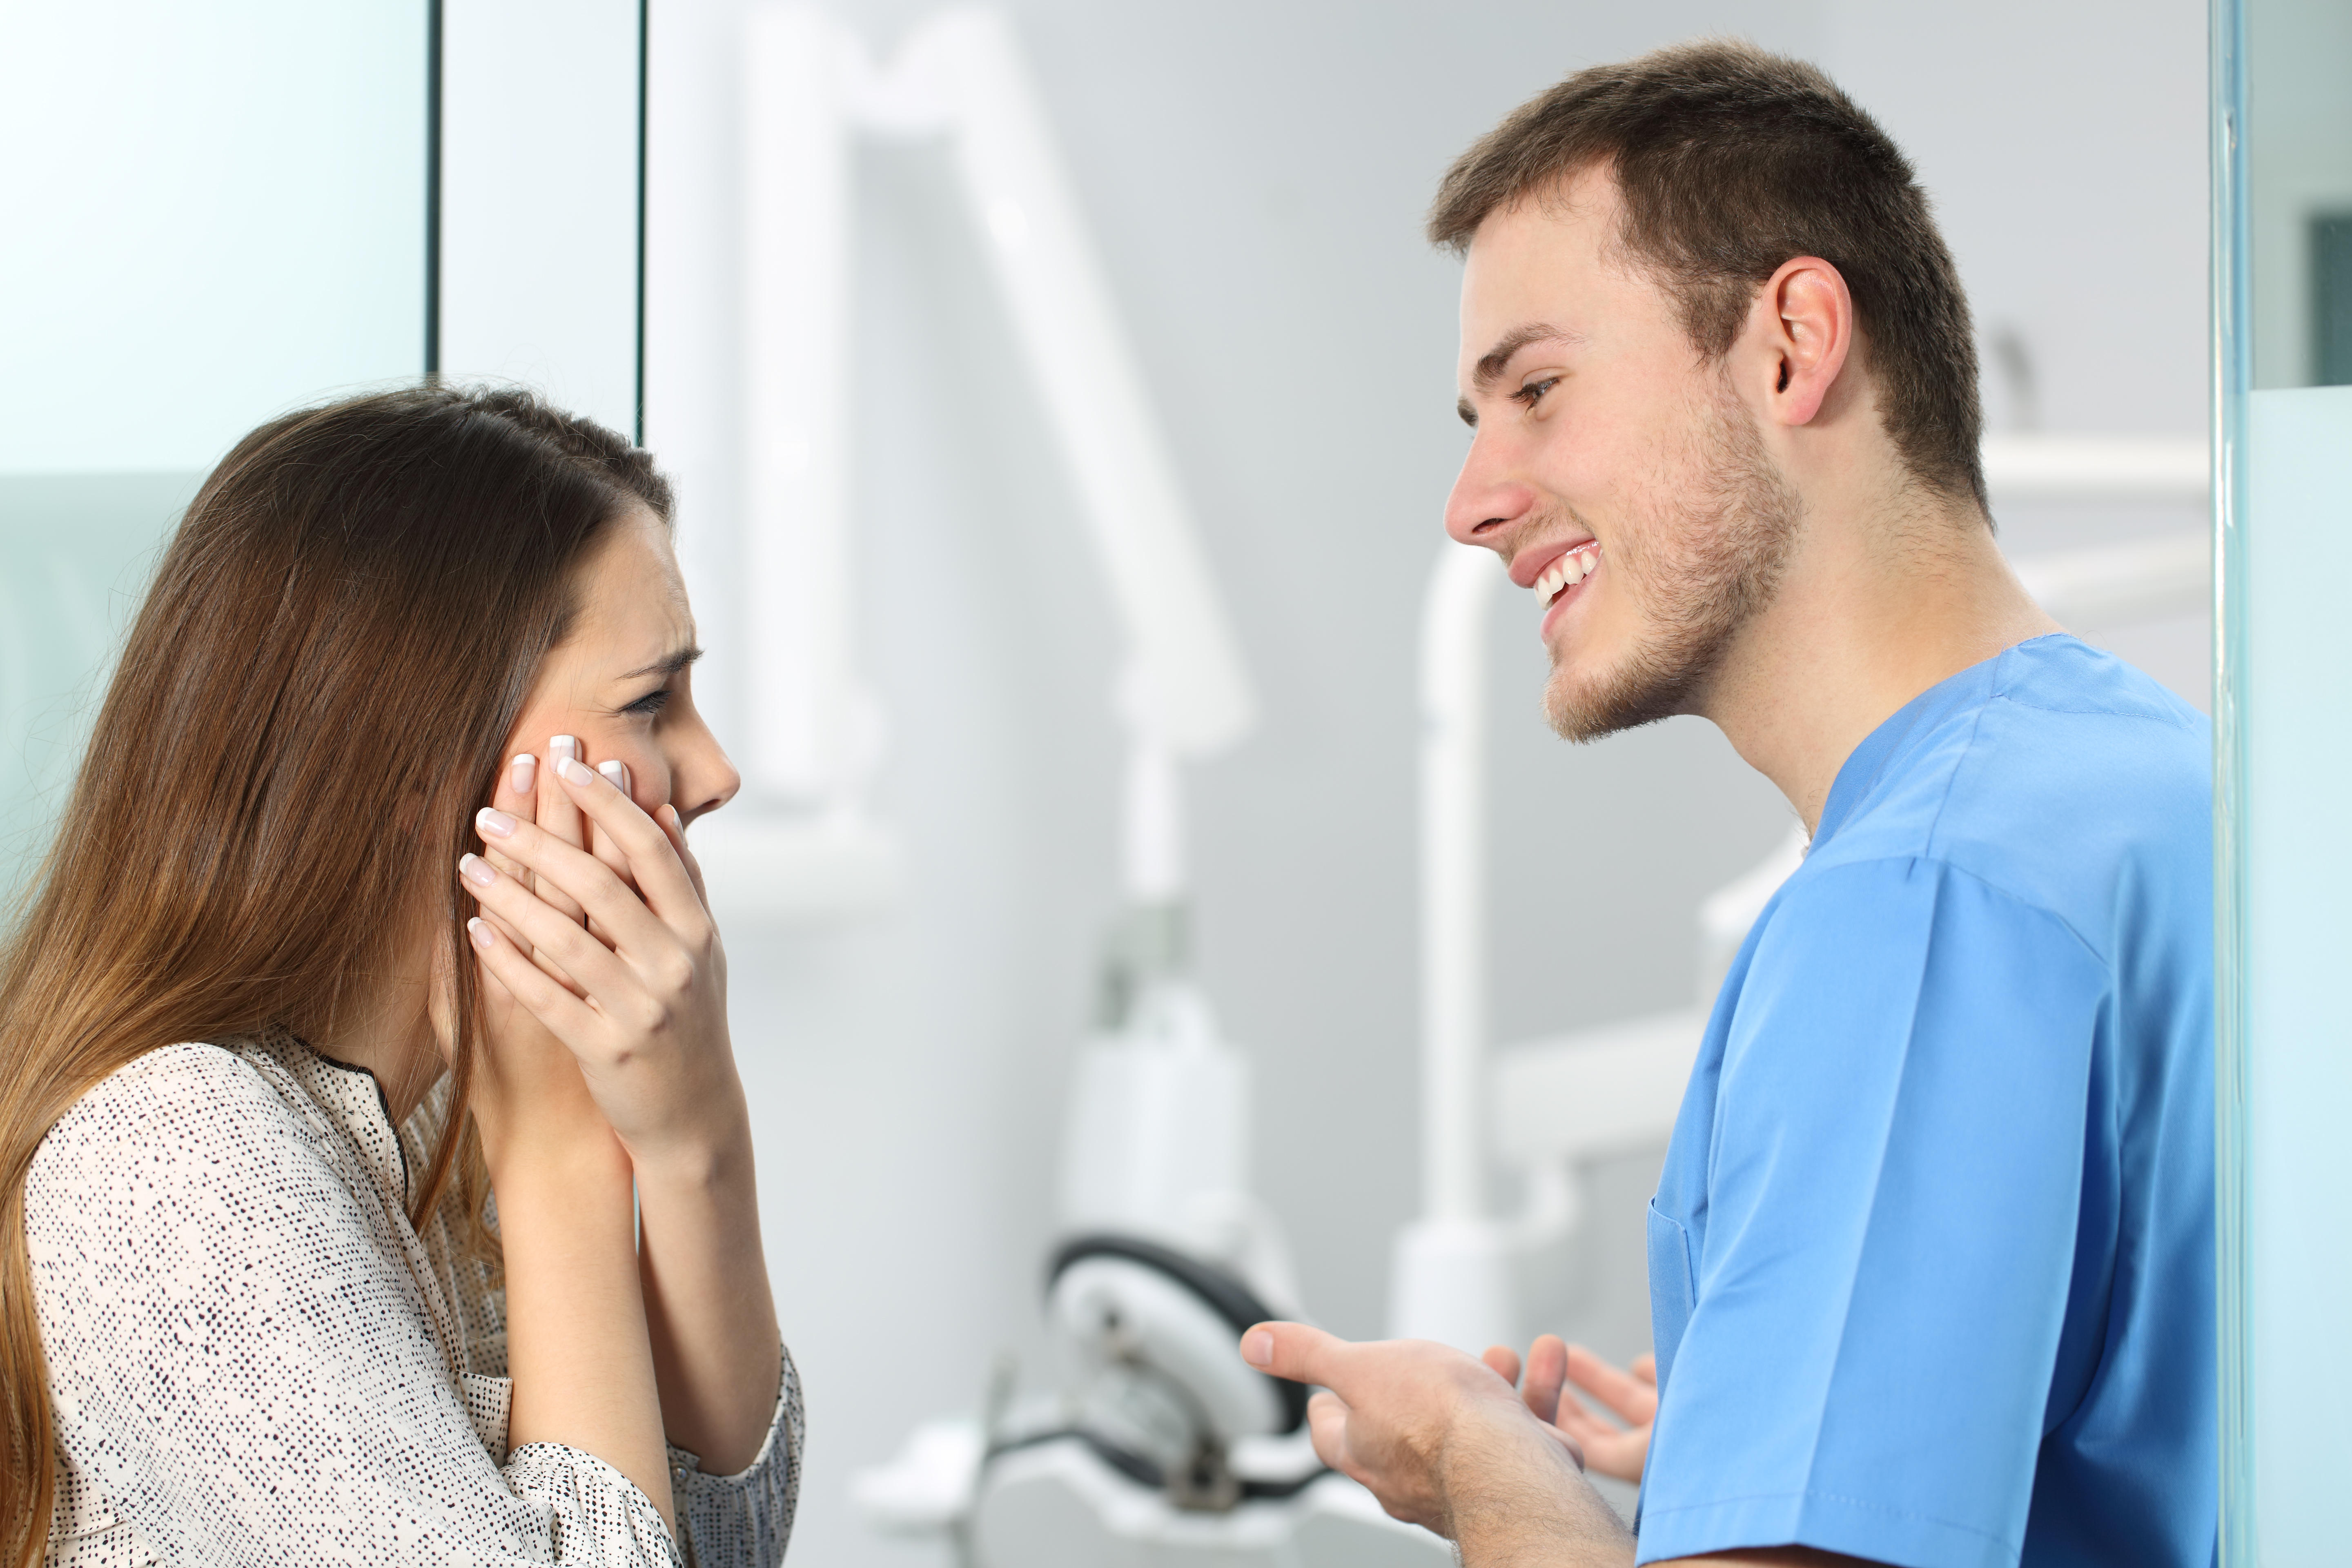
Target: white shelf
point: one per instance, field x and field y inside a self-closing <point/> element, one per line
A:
<point x="2097" y="468"/>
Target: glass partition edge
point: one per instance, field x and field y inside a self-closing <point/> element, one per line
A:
<point x="2232" y="365"/>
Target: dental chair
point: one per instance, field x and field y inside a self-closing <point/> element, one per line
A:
<point x="1155" y="1444"/>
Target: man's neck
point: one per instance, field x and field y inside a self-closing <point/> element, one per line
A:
<point x="1873" y="611"/>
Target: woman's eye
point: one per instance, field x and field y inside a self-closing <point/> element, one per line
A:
<point x="1532" y="394"/>
<point x="651" y="703"/>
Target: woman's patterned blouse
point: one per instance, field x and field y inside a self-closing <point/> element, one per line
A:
<point x="255" y="1358"/>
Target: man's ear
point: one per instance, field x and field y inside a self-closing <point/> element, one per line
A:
<point x="1801" y="331"/>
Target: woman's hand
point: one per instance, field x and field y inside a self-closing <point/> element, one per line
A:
<point x="529" y="1095"/>
<point x="578" y="1348"/>
<point x="638" y="996"/>
<point x="641" y="1000"/>
<point x="1631" y="1395"/>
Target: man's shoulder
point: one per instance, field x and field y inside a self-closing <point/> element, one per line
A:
<point x="2070" y="781"/>
<point x="2062" y="753"/>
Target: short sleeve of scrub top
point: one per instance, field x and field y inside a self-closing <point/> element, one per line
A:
<point x="1879" y="1298"/>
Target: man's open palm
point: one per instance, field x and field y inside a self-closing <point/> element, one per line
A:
<point x="1631" y="1395"/>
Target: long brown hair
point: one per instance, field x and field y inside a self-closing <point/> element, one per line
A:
<point x="312" y="700"/>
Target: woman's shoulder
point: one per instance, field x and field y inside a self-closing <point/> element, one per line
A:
<point x="209" y="1107"/>
<point x="200" y="1169"/>
<point x="169" y="1084"/>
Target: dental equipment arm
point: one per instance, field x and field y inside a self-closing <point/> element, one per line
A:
<point x="1187" y="688"/>
<point x="1183" y="693"/>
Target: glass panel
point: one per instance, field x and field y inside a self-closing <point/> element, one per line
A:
<point x="2284" y="299"/>
<point x="2299" y="190"/>
<point x="225" y="205"/>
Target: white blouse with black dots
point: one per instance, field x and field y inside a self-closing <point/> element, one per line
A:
<point x="255" y="1358"/>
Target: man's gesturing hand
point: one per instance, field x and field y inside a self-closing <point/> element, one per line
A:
<point x="1632" y="1395"/>
<point x="1443" y="1441"/>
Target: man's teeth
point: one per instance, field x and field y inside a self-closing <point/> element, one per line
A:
<point x="1568" y="569"/>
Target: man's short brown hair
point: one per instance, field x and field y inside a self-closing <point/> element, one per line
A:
<point x="1730" y="160"/>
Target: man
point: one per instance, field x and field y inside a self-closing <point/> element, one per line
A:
<point x="1931" y="1261"/>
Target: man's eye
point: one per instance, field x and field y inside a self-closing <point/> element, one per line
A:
<point x="1532" y="394"/>
<point x="651" y="703"/>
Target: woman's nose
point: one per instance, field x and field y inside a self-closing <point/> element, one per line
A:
<point x="705" y="779"/>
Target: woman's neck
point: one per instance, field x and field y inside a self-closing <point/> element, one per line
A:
<point x="388" y="1030"/>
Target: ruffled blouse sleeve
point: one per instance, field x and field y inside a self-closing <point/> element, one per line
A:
<point x="744" y="1520"/>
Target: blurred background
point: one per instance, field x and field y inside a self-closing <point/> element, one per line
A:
<point x="218" y="213"/>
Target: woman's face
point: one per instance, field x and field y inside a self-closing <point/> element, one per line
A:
<point x="623" y="681"/>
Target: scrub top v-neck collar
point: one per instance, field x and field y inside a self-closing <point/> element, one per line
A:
<point x="1869" y="761"/>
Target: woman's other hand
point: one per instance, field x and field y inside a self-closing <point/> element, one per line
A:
<point x="1632" y="1395"/>
<point x="525" y="1070"/>
<point x="530" y="793"/>
<point x="645" y="1014"/>
<point x="579" y="1348"/>
<point x="644" y="1017"/>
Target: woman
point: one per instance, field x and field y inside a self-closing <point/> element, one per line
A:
<point x="349" y="1014"/>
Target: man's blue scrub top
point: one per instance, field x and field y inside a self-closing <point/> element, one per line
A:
<point x="1931" y="1266"/>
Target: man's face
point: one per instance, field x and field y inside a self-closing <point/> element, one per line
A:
<point x="1614" y="467"/>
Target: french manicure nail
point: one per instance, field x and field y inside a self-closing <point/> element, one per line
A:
<point x="617" y="771"/>
<point x="480" y="930"/>
<point x="496" y="823"/>
<point x="561" y="747"/>
<point x="520" y="772"/>
<point x="572" y="773"/>
<point x="477" y="870"/>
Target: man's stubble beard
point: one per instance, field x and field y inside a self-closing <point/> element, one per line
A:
<point x="1707" y="562"/>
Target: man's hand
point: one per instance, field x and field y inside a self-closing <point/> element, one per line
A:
<point x="1632" y="1397"/>
<point x="1443" y="1441"/>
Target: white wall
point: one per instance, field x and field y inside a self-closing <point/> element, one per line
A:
<point x="1255" y="173"/>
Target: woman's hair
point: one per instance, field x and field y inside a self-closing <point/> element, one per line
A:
<point x="312" y="702"/>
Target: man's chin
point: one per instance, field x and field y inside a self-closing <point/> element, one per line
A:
<point x="1573" y="715"/>
<point x="1583" y="704"/>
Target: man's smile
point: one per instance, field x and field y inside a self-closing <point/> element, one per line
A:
<point x="1557" y="574"/>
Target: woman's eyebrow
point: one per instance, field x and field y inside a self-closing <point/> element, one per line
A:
<point x="666" y="665"/>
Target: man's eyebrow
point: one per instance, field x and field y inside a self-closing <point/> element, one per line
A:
<point x="1495" y="361"/>
<point x="668" y="665"/>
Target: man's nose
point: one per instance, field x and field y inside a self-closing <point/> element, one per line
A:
<point x="1485" y="502"/>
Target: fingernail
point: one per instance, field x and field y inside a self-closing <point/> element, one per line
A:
<point x="494" y="824"/>
<point x="480" y="930"/>
<point x="1257" y="1347"/>
<point x="572" y="773"/>
<point x="520" y="772"/>
<point x="477" y="870"/>
<point x="561" y="747"/>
